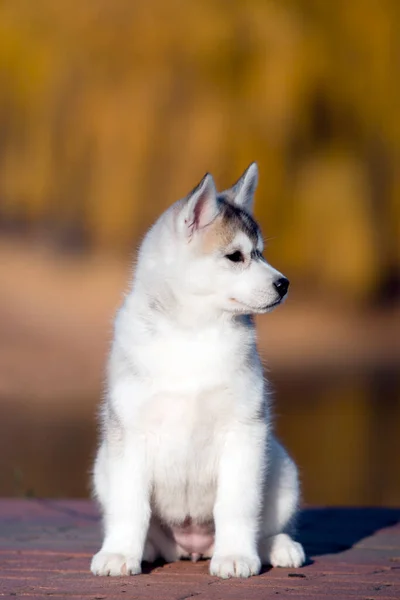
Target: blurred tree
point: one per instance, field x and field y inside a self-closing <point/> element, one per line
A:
<point x="109" y="111"/>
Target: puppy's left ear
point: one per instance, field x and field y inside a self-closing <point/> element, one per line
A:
<point x="201" y="205"/>
<point x="242" y="192"/>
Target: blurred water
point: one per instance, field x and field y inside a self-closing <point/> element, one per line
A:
<point x="341" y="428"/>
<point x="343" y="431"/>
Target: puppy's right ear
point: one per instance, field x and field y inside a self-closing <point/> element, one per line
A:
<point x="201" y="206"/>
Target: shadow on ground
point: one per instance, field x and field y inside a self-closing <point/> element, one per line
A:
<point x="332" y="530"/>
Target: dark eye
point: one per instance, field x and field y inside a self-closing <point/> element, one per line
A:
<point x="235" y="256"/>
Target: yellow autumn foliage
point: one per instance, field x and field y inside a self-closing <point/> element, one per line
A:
<point x="112" y="109"/>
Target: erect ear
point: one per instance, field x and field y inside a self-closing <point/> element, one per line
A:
<point x="242" y="192"/>
<point x="201" y="205"/>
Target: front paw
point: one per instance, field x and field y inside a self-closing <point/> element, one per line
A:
<point x="109" y="563"/>
<point x="235" y="566"/>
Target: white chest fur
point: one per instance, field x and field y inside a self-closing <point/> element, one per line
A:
<point x="182" y="360"/>
<point x="185" y="401"/>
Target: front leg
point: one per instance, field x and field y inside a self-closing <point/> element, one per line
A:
<point x="126" y="508"/>
<point x="238" y="503"/>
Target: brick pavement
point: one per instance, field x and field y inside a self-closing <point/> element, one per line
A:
<point x="46" y="546"/>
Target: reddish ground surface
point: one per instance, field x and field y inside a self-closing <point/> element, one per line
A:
<point x="46" y="546"/>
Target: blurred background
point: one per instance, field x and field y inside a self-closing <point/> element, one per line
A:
<point x="109" y="112"/>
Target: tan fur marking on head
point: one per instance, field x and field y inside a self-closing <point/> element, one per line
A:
<point x="218" y="235"/>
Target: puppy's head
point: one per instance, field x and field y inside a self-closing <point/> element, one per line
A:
<point x="220" y="249"/>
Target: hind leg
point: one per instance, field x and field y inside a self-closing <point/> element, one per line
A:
<point x="276" y="545"/>
<point x="160" y="545"/>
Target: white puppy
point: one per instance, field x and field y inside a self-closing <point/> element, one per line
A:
<point x="188" y="465"/>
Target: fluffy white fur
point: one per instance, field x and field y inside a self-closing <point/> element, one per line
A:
<point x="188" y="464"/>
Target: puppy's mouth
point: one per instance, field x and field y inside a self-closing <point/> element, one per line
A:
<point x="271" y="306"/>
<point x="257" y="309"/>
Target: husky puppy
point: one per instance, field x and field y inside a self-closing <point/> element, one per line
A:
<point x="188" y="465"/>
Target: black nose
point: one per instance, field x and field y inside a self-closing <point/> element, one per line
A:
<point x="281" y="285"/>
